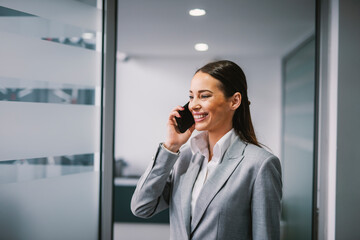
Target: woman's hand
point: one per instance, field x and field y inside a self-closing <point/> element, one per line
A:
<point x="175" y="139"/>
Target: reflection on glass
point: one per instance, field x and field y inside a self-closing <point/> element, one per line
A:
<point x="13" y="171"/>
<point x="86" y="41"/>
<point x="63" y="95"/>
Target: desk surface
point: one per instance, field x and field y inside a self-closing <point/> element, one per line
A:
<point x="122" y="181"/>
<point x="123" y="191"/>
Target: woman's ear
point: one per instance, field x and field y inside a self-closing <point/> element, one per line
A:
<point x="236" y="101"/>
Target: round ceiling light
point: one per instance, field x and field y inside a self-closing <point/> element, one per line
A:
<point x="197" y="12"/>
<point x="201" y="47"/>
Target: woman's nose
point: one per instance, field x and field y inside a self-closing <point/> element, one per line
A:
<point x="193" y="105"/>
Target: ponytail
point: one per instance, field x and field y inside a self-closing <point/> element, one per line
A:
<point x="242" y="124"/>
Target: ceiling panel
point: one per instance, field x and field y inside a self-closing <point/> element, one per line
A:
<point x="243" y="27"/>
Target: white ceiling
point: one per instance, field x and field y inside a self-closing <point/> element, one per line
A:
<point x="230" y="27"/>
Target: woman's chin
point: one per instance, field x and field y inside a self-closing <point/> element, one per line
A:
<point x="200" y="127"/>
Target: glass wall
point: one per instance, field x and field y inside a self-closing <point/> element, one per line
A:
<point x="50" y="95"/>
<point x="298" y="137"/>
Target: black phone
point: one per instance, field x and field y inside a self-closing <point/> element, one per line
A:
<point x="186" y="120"/>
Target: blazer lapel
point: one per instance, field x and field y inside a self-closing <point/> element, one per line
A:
<point x="214" y="183"/>
<point x="187" y="183"/>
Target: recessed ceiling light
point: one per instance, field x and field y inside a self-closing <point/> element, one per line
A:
<point x="197" y="12"/>
<point x="201" y="47"/>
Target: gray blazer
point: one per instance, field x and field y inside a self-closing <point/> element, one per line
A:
<point x="240" y="200"/>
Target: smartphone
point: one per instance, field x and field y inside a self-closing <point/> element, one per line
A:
<point x="186" y="120"/>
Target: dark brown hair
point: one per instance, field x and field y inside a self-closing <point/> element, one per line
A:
<point x="232" y="79"/>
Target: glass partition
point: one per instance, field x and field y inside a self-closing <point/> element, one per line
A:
<point x="298" y="141"/>
<point x="50" y="95"/>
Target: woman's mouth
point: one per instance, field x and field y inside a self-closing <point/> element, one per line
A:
<point x="198" y="117"/>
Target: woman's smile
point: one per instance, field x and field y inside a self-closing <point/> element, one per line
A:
<point x="198" y="117"/>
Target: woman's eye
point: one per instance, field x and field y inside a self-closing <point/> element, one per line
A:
<point x="204" y="96"/>
<point x="191" y="97"/>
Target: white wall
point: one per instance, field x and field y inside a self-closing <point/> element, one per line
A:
<point x="264" y="78"/>
<point x="148" y="88"/>
<point x="339" y="117"/>
<point x="327" y="118"/>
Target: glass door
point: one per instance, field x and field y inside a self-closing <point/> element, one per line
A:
<point x="50" y="104"/>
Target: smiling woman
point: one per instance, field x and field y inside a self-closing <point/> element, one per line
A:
<point x="223" y="163"/>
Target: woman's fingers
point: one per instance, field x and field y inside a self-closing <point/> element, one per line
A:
<point x="175" y="112"/>
<point x="174" y="139"/>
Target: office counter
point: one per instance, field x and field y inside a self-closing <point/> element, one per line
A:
<point x="123" y="190"/>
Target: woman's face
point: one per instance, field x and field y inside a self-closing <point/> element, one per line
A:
<point x="212" y="111"/>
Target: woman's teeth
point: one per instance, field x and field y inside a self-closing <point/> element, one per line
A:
<point x="199" y="116"/>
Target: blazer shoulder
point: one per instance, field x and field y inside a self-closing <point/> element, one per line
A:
<point x="259" y="156"/>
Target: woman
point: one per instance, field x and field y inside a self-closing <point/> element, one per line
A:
<point x="223" y="185"/>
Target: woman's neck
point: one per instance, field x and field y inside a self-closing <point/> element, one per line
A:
<point x="214" y="137"/>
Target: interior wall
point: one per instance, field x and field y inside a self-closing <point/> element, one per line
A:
<point x="264" y="78"/>
<point x="348" y="132"/>
<point x="328" y="55"/>
<point x="148" y="88"/>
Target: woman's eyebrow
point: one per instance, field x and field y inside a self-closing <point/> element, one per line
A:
<point x="201" y="91"/>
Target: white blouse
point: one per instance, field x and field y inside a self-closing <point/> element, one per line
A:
<point x="200" y="143"/>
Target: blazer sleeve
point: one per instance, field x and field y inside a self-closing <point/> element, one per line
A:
<point x="153" y="190"/>
<point x="266" y="200"/>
